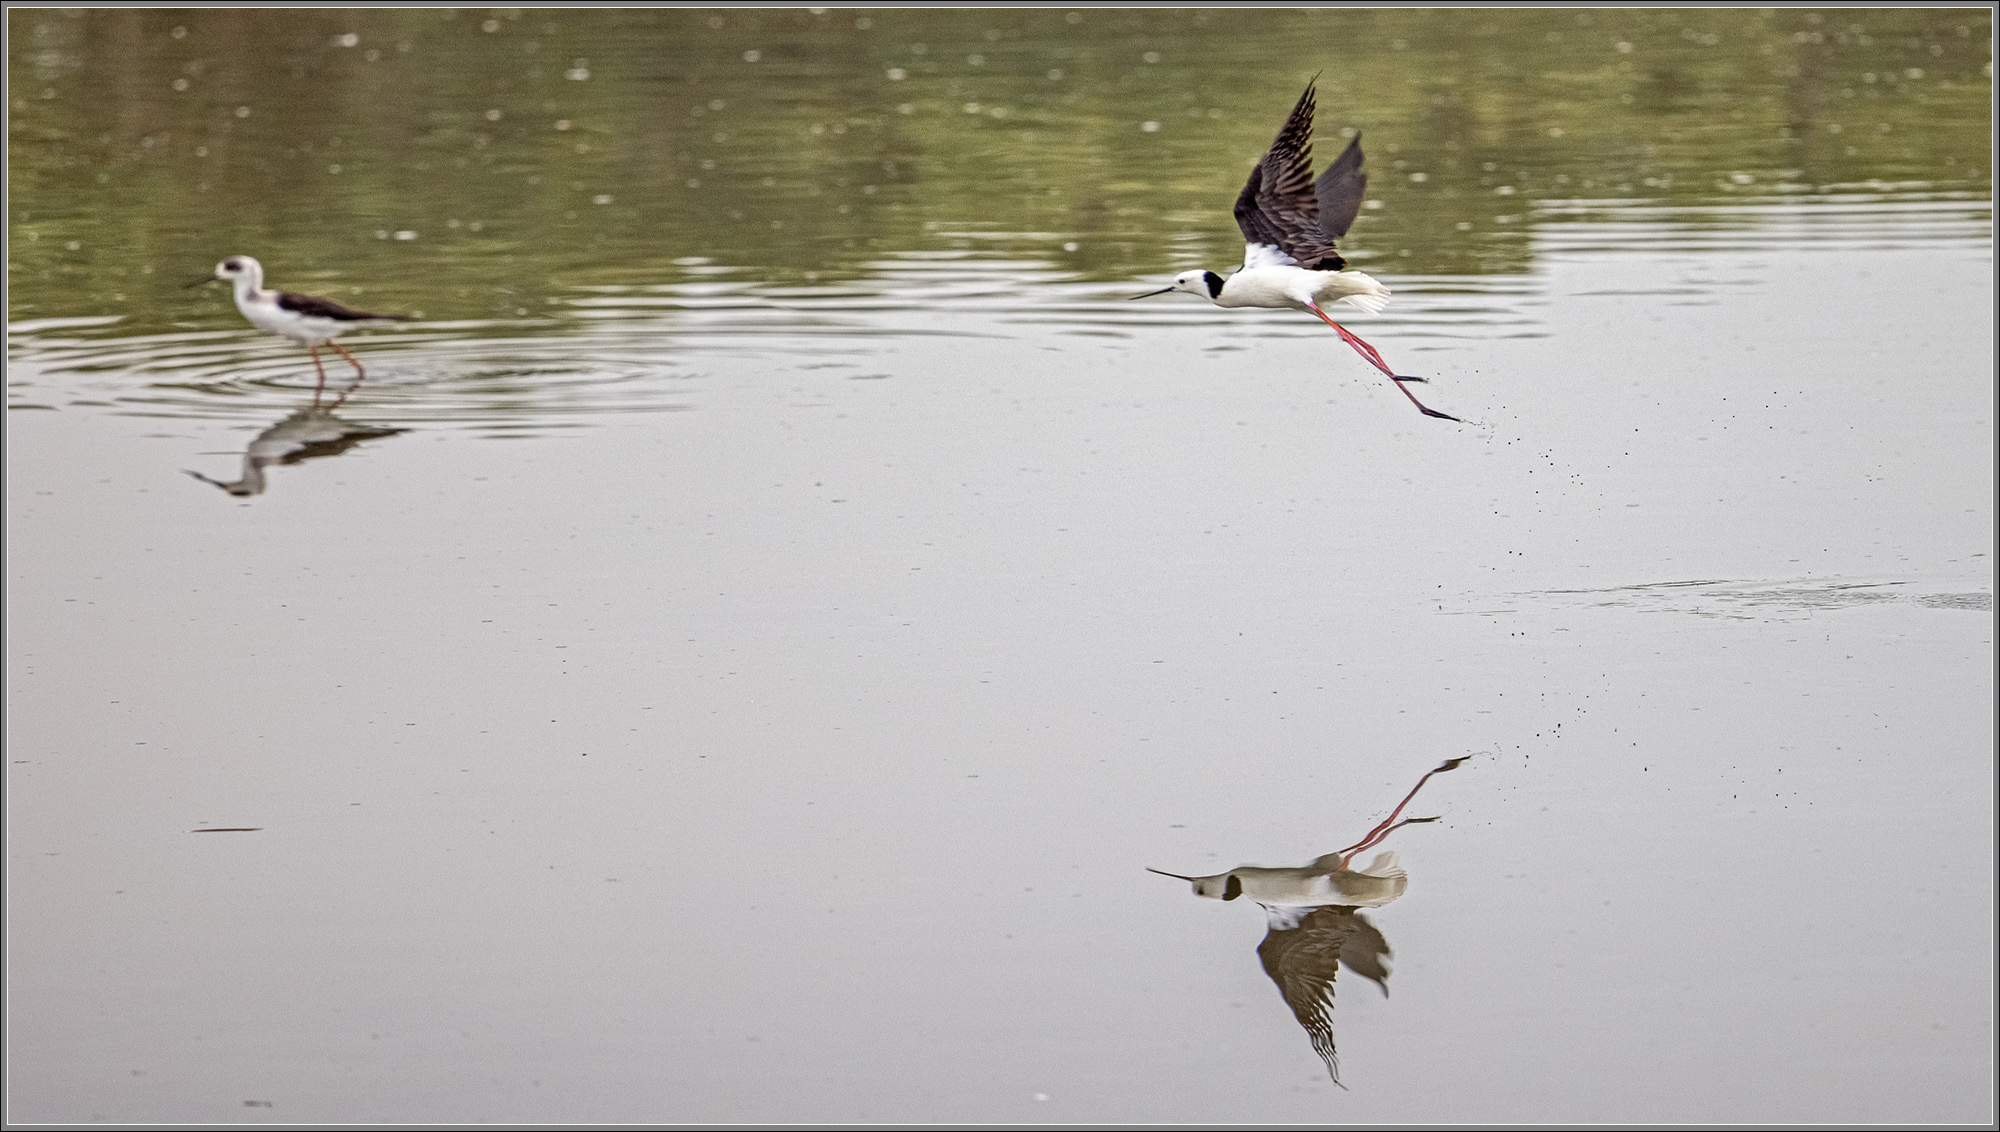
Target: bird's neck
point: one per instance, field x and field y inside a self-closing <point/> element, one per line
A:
<point x="250" y="288"/>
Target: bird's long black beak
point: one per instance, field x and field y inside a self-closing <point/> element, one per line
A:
<point x="1149" y="295"/>
<point x="1176" y="876"/>
<point x="204" y="279"/>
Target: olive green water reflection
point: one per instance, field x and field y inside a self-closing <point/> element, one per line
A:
<point x="473" y="165"/>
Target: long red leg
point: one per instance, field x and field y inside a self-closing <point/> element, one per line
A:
<point x="317" y="368"/>
<point x="360" y="374"/>
<point x="1390" y="824"/>
<point x="350" y="359"/>
<point x="1375" y="359"/>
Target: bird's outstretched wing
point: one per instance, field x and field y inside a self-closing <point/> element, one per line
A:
<point x="1339" y="191"/>
<point x="315" y="307"/>
<point x="1302" y="954"/>
<point x="1280" y="209"/>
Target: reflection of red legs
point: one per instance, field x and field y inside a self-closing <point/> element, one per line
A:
<point x="1375" y="359"/>
<point x="359" y="374"/>
<point x="1390" y="824"/>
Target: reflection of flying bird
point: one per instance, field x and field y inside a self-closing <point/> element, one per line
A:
<point x="1327" y="880"/>
<point x="1291" y="222"/>
<point x="302" y="318"/>
<point x="1304" y="950"/>
<point x="1313" y="926"/>
<point x="305" y="435"/>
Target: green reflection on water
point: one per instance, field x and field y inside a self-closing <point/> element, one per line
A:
<point x="480" y="163"/>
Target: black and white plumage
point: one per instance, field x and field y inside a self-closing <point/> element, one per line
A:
<point x="1290" y="224"/>
<point x="307" y="319"/>
<point x="1289" y="219"/>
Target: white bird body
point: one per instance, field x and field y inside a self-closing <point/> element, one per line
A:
<point x="1326" y="881"/>
<point x="312" y="321"/>
<point x="1281" y="285"/>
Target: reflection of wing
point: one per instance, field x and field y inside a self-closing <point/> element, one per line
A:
<point x="305" y="435"/>
<point x="1303" y="951"/>
<point x="311" y="433"/>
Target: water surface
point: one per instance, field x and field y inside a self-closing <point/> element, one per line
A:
<point x="777" y="727"/>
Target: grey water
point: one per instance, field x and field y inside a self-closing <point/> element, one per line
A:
<point x="736" y="656"/>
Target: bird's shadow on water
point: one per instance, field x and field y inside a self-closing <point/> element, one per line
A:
<point x="309" y="433"/>
<point x="1313" y="921"/>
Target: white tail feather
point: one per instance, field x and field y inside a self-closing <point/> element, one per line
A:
<point x="1373" y="304"/>
<point x="1385" y="865"/>
<point x="1382" y="881"/>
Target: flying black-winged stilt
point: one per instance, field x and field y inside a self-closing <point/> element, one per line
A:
<point x="1312" y="925"/>
<point x="1290" y="223"/>
<point x="315" y="322"/>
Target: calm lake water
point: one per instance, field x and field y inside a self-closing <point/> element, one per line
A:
<point x="778" y="726"/>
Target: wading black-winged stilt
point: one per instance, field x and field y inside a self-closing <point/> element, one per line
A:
<point x="313" y="321"/>
<point x="1290" y="223"/>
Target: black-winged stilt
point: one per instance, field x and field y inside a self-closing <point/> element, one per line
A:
<point x="315" y="322"/>
<point x="1290" y="223"/>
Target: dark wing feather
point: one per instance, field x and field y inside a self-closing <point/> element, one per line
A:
<point x="1278" y="206"/>
<point x="1339" y="190"/>
<point x="1303" y="961"/>
<point x="314" y="307"/>
<point x="1363" y="953"/>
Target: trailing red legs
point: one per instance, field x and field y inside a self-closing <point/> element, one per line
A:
<point x="1390" y="824"/>
<point x="1375" y="359"/>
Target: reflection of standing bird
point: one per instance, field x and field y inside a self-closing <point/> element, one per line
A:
<point x="1303" y="951"/>
<point x="1291" y="222"/>
<point x="302" y="318"/>
<point x="305" y="435"/>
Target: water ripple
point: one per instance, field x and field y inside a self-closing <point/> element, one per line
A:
<point x="642" y="346"/>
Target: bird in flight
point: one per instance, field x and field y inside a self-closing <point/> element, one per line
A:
<point x="1290" y="223"/>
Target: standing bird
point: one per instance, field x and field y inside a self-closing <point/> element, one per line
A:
<point x="1290" y="223"/>
<point x="302" y="318"/>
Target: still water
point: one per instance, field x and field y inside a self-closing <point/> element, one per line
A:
<point x="778" y="726"/>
